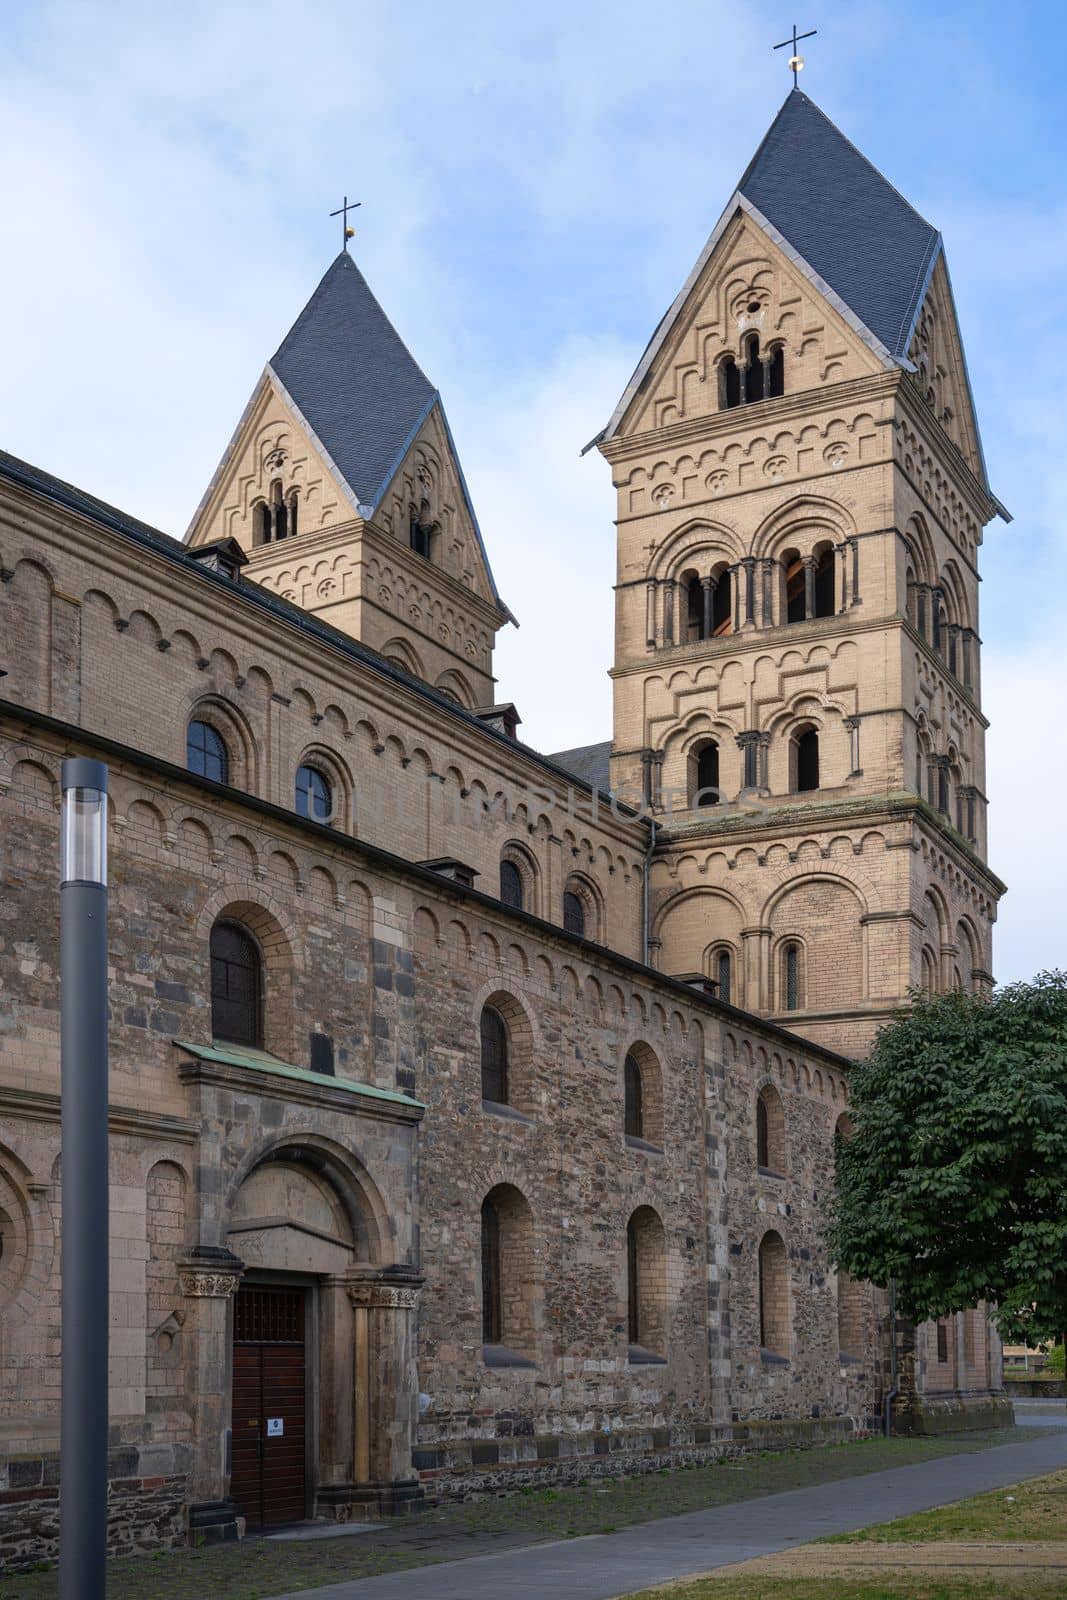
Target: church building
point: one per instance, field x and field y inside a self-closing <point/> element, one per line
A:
<point x="473" y="1109"/>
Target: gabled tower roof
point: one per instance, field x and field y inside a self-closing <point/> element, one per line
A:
<point x="848" y="222"/>
<point x="842" y="224"/>
<point x="353" y="379"/>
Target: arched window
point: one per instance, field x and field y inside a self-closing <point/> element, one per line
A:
<point x="510" y="1278"/>
<point x="236" y="986"/>
<point x="770" y="1131"/>
<point x="314" y="797"/>
<point x="773" y="1296"/>
<point x="511" y="888"/>
<point x="777" y="372"/>
<point x="791" y="976"/>
<point x="730" y="383"/>
<point x="261" y="532"/>
<point x="694" y="610"/>
<point x="796" y="605"/>
<point x="634" y="1096"/>
<point x="722" y="604"/>
<point x="824" y="581"/>
<point x="492" y="1297"/>
<point x="806" y="751"/>
<point x="206" y="752"/>
<point x="706" y="791"/>
<point x="419" y="536"/>
<point x="753" y="372"/>
<point x="573" y="913"/>
<point x="724" y="975"/>
<point x="646" y="1285"/>
<point x="494" y="1041"/>
<point x="292" y="514"/>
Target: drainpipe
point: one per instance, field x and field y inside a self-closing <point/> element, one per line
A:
<point x="891" y="1395"/>
<point x="645" y="890"/>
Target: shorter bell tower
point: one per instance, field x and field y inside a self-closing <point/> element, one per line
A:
<point x="343" y="487"/>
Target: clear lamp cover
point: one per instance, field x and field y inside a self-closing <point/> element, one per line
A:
<point x="83" y="837"/>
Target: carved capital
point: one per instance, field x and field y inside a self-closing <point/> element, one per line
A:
<point x="210" y="1273"/>
<point x="199" y="1283"/>
<point x="384" y="1296"/>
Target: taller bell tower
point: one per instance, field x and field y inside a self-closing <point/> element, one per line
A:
<point x="797" y="689"/>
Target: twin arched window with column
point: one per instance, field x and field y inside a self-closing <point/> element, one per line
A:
<point x="759" y="376"/>
<point x="709" y="604"/>
<point x="276" y="517"/>
<point x="808" y="584"/>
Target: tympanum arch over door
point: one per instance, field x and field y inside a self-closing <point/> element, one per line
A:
<point x="319" y="1338"/>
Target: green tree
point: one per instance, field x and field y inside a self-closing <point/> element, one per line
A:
<point x="955" y="1180"/>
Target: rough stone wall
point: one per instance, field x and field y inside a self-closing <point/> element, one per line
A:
<point x="399" y="972"/>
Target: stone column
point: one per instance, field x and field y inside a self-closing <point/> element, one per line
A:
<point x="748" y="744"/>
<point x="650" y="614"/>
<point x="841" y="554"/>
<point x="735" y="584"/>
<point x="936" y="599"/>
<point x="770" y="567"/>
<point x="756" y="945"/>
<point x="385" y="1387"/>
<point x="708" y="586"/>
<point x="749" y="565"/>
<point x="657" y="779"/>
<point x="764" y="749"/>
<point x="855" y="571"/>
<point x="668" y="611"/>
<point x="336" y="1417"/>
<point x="853" y="726"/>
<point x="209" y="1277"/>
<point x="808" y="563"/>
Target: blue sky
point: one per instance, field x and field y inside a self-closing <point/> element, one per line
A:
<point x="536" y="184"/>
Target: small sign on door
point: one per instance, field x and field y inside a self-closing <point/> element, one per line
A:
<point x="275" y="1427"/>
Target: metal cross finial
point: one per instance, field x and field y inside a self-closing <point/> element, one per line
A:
<point x="796" y="61"/>
<point x="342" y="211"/>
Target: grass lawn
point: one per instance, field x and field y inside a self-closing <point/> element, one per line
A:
<point x="1036" y="1509"/>
<point x="1030" y="1513"/>
<point x="257" y="1568"/>
<point x="1005" y="1586"/>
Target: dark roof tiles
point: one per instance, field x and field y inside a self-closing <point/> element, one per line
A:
<point x="354" y="380"/>
<point x="848" y="222"/>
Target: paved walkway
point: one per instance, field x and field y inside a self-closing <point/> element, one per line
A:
<point x="608" y="1565"/>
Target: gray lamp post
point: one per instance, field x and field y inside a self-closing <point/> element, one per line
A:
<point x="83" y="1101"/>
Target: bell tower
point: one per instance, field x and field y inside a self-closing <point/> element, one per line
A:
<point x="801" y="498"/>
<point x="343" y="486"/>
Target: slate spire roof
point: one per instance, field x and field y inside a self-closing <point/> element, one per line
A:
<point x="354" y="380"/>
<point x="355" y="384"/>
<point x="839" y="220"/>
<point x="847" y="221"/>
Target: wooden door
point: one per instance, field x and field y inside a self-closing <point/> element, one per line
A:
<point x="267" y="1480"/>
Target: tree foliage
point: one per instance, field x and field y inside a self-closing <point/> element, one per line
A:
<point x="954" y="1181"/>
